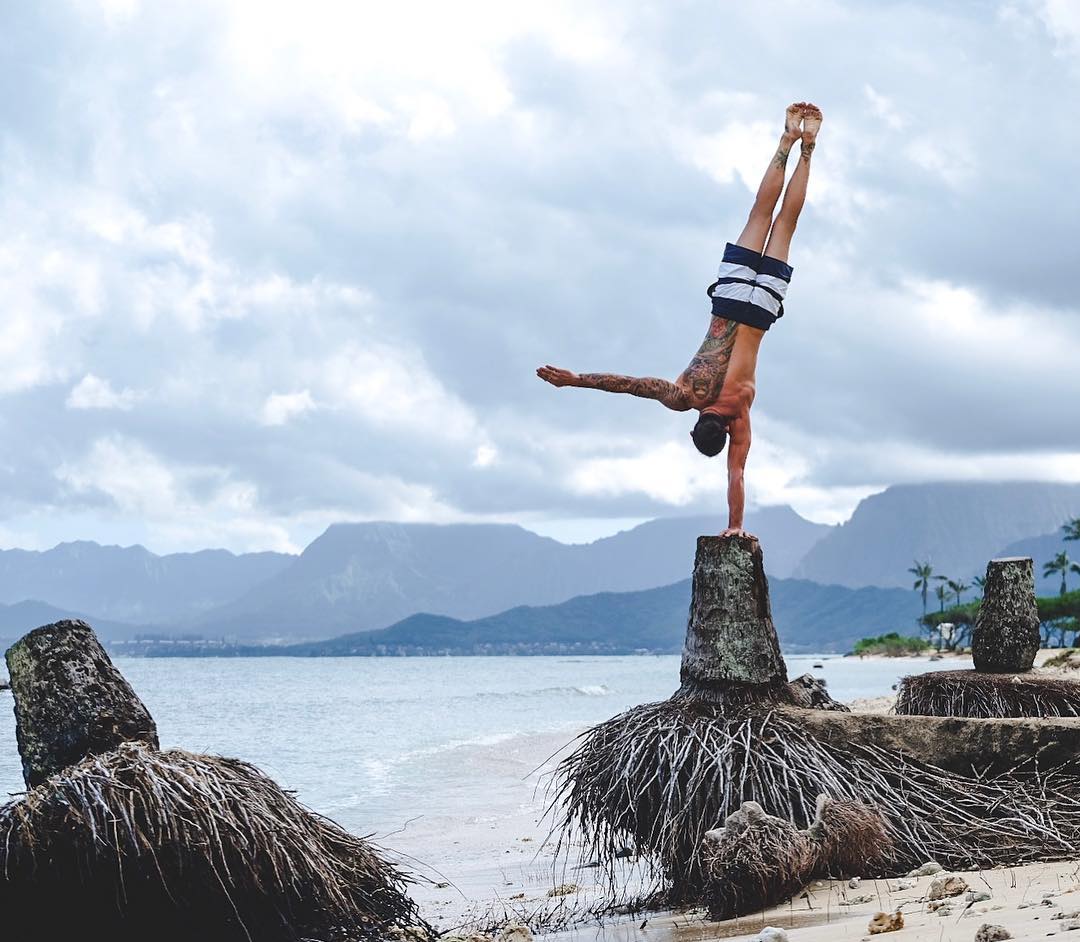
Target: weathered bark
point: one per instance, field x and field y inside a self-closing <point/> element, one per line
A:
<point x="1006" y="634"/>
<point x="987" y="746"/>
<point x="70" y="701"/>
<point x="731" y="654"/>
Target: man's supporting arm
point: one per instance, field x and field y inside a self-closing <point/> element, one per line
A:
<point x="645" y="387"/>
<point x="738" y="449"/>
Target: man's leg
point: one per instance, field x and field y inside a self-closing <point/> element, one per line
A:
<point x="784" y="226"/>
<point x="757" y="226"/>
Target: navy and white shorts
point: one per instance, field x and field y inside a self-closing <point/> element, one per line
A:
<point x="750" y="287"/>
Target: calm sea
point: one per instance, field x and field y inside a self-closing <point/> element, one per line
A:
<point x="436" y="757"/>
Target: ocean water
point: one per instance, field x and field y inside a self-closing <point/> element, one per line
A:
<point x="441" y="759"/>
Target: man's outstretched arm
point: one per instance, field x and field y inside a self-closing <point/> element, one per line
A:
<point x="738" y="449"/>
<point x="646" y="387"/>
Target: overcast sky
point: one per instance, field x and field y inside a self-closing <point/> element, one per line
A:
<point x="269" y="265"/>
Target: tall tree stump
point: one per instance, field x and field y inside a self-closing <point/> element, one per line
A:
<point x="70" y="701"/>
<point x="731" y="654"/>
<point x="1006" y="634"/>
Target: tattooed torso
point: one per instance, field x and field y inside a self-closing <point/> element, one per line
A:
<point x="704" y="377"/>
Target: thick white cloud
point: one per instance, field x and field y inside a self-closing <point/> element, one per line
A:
<point x="267" y="265"/>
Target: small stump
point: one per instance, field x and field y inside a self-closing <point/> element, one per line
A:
<point x="1005" y="639"/>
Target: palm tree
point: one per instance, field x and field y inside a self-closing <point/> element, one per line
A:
<point x="923" y="572"/>
<point x="958" y="589"/>
<point x="979" y="582"/>
<point x="1061" y="563"/>
<point x="942" y="595"/>
<point x="1072" y="528"/>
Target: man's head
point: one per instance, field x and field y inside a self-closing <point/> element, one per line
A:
<point x="710" y="434"/>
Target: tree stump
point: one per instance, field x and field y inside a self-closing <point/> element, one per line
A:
<point x="1006" y="634"/>
<point x="731" y="654"/>
<point x="70" y="701"/>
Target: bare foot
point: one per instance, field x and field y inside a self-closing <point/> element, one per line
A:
<point x="811" y="124"/>
<point x="793" y="119"/>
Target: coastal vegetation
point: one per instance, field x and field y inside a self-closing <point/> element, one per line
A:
<point x="892" y="644"/>
<point x="950" y="627"/>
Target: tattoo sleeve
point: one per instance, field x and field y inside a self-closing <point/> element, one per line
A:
<point x="646" y="387"/>
<point x="780" y="160"/>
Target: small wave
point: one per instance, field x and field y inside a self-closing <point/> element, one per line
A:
<point x="594" y="690"/>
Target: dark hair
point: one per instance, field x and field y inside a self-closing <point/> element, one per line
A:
<point x="710" y="434"/>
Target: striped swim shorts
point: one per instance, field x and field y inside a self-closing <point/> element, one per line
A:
<point x="750" y="287"/>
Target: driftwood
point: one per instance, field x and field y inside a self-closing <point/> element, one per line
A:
<point x="70" y="701"/>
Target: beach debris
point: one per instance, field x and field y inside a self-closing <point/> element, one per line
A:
<point x="906" y="884"/>
<point x="947" y="885"/>
<point x="977" y="896"/>
<point x="810" y="692"/>
<point x="1006" y="634"/>
<point x="976" y="694"/>
<point x="772" y="934"/>
<point x="858" y="900"/>
<point x="142" y="843"/>
<point x="515" y="932"/>
<point x="886" y="922"/>
<point x="70" y="701"/>
<point x="928" y="869"/>
<point x="757" y="860"/>
<point x="565" y="889"/>
<point x="411" y="934"/>
<point x="623" y="852"/>
<point x="992" y="933"/>
<point x="854" y="882"/>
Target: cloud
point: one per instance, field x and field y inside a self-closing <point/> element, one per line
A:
<point x="297" y="265"/>
<point x="281" y="408"/>
<point x="92" y="392"/>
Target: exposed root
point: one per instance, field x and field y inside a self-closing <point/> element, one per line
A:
<point x="142" y="844"/>
<point x="660" y="775"/>
<point x="975" y="694"/>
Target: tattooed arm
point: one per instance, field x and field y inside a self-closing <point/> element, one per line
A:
<point x="646" y="387"/>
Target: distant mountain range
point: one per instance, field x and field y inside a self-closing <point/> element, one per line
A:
<point x="131" y="584"/>
<point x="808" y="618"/>
<point x="958" y="527"/>
<point x="363" y="577"/>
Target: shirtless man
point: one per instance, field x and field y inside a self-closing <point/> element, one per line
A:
<point x="747" y="299"/>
